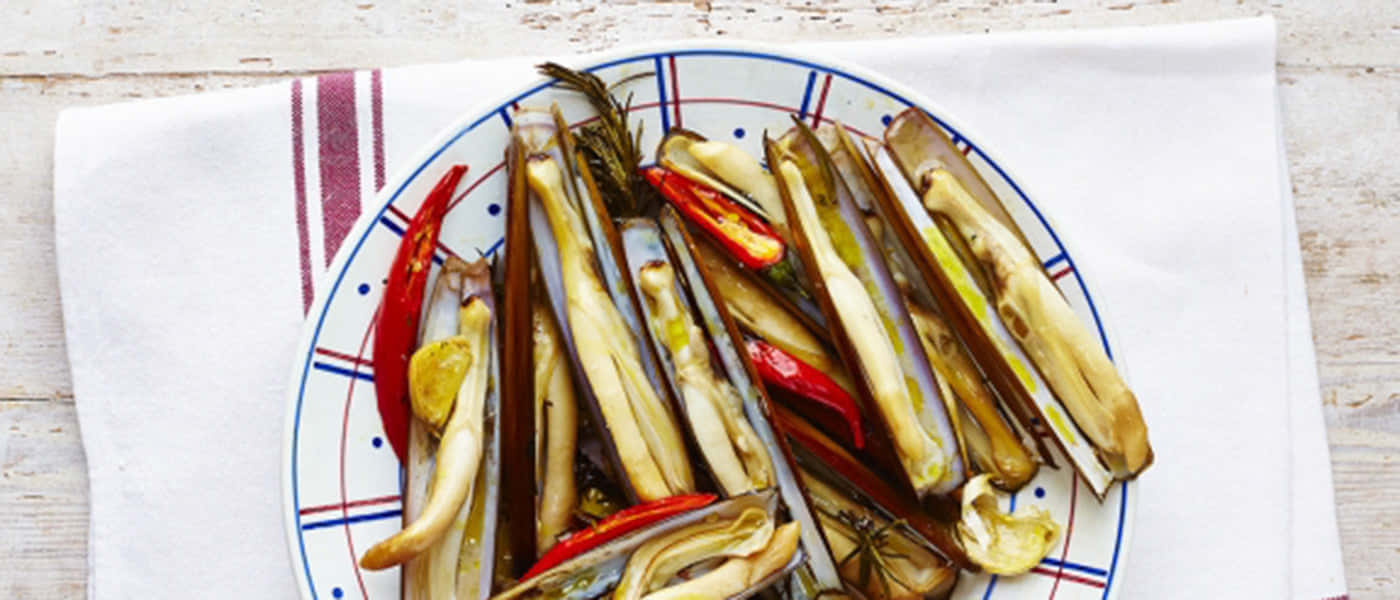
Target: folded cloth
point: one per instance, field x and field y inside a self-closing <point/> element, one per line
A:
<point x="186" y="267"/>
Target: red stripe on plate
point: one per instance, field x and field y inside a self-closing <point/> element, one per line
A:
<point x="343" y="356"/>
<point x="1068" y="577"/>
<point x="347" y="505"/>
<point x="344" y="433"/>
<point x="821" y="102"/>
<point x="1069" y="532"/>
<point x="675" y="91"/>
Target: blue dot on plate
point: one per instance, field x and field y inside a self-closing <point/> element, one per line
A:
<point x="363" y="289"/>
<point x="1039" y="492"/>
<point x="377" y="441"/>
<point x="337" y="592"/>
<point x="739" y="132"/>
<point x="886" y="120"/>
<point x="493" y="209"/>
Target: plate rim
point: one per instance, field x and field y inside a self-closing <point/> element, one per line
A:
<point x="483" y="110"/>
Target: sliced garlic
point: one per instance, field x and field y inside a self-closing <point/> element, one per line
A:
<point x="1001" y="543"/>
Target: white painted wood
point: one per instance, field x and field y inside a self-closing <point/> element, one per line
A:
<point x="1339" y="78"/>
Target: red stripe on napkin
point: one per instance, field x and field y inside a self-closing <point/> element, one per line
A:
<point x="376" y="103"/>
<point x="299" y="182"/>
<point x="339" y="137"/>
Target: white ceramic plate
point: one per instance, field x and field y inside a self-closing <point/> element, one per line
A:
<point x="342" y="482"/>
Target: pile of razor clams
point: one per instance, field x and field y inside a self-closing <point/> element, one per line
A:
<point x="807" y="375"/>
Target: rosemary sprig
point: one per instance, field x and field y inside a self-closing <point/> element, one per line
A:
<point x="611" y="151"/>
<point x="871" y="552"/>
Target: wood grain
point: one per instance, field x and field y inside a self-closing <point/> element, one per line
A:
<point x="43" y="501"/>
<point x="1339" y="75"/>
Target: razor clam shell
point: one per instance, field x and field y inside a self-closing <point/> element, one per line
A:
<point x="536" y="129"/>
<point x="478" y="285"/>
<point x="641" y="245"/>
<point x="618" y="281"/>
<point x="440" y="309"/>
<point x="984" y="334"/>
<point x="812" y="467"/>
<point x="945" y="587"/>
<point x="1014" y="400"/>
<point x="440" y="321"/>
<point x="517" y="369"/>
<point x="889" y="301"/>
<point x="814" y="450"/>
<point x="917" y="143"/>
<point x="591" y="574"/>
<point x="453" y="288"/>
<point x="849" y="162"/>
<point x="491" y="474"/>
<point x="860" y="175"/>
<point x="721" y="332"/>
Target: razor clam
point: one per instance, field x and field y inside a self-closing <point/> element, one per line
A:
<point x="861" y="295"/>
<point x="599" y="571"/>
<point x="737" y="461"/>
<point x="556" y="430"/>
<point x="818" y="453"/>
<point x="723" y="334"/>
<point x="477" y="559"/>
<point x="1067" y="355"/>
<point x="972" y="316"/>
<point x="450" y="516"/>
<point x="439" y="323"/>
<point x="516" y="279"/>
<point x="866" y="539"/>
<point x="998" y="447"/>
<point x="644" y="438"/>
<point x="733" y="172"/>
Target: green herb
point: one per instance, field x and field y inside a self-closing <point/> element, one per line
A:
<point x="871" y="552"/>
<point x="610" y="149"/>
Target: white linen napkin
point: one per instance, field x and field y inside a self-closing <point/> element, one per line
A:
<point x="184" y="278"/>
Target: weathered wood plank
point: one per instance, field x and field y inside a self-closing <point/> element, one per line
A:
<point x="1368" y="503"/>
<point x="148" y="36"/>
<point x="43" y="501"/>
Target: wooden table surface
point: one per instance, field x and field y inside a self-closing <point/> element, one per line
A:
<point x="1338" y="72"/>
